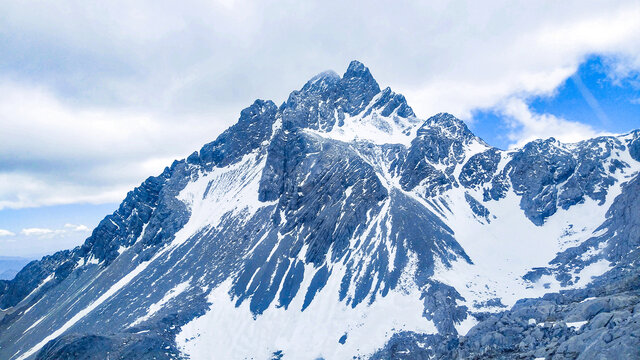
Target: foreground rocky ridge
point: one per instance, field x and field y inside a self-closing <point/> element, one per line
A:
<point x="342" y="202"/>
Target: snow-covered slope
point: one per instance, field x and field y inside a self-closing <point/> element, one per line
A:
<point x="324" y="228"/>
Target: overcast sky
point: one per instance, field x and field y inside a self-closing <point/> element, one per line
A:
<point x="96" y="96"/>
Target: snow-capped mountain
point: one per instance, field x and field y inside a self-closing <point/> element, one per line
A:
<point x="339" y="225"/>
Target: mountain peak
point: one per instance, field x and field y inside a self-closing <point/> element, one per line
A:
<point x="358" y="71"/>
<point x="449" y="125"/>
<point x="359" y="87"/>
<point x="356" y="66"/>
<point x="322" y="81"/>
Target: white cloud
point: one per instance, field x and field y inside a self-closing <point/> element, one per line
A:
<point x="37" y="231"/>
<point x="67" y="229"/>
<point x="527" y="126"/>
<point x="74" y="227"/>
<point x="625" y="68"/>
<point x="4" y="232"/>
<point x="201" y="55"/>
<point x="97" y="96"/>
<point x="38" y="240"/>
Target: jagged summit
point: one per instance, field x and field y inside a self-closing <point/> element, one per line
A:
<point x="323" y="82"/>
<point x="360" y="87"/>
<point x="353" y="107"/>
<point x="448" y="126"/>
<point x="356" y="68"/>
<point x="349" y="106"/>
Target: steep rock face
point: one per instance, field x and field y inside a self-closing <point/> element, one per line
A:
<point x="536" y="177"/>
<point x="634" y="144"/>
<point x="548" y="174"/>
<point x="338" y="213"/>
<point x="438" y="147"/>
<point x="253" y="128"/>
<point x="480" y="169"/>
<point x="327" y="99"/>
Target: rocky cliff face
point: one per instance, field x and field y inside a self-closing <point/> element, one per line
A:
<point x="340" y="225"/>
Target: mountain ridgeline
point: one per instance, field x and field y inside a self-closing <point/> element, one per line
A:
<point x="339" y="225"/>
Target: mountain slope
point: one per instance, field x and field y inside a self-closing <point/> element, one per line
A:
<point x="328" y="227"/>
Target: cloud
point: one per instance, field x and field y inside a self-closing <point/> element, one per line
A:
<point x="97" y="96"/>
<point x="67" y="229"/>
<point x="624" y="68"/>
<point x="526" y="125"/>
<point x="38" y="240"/>
<point x="54" y="153"/>
<point x="4" y="233"/>
<point x="37" y="231"/>
<point x="201" y="56"/>
<point x="74" y="227"/>
<point x="531" y="60"/>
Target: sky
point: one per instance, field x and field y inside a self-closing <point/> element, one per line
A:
<point x="97" y="96"/>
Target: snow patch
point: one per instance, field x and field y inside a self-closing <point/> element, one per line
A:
<point x="576" y="325"/>
<point x="177" y="290"/>
<point x="511" y="245"/>
<point x="226" y="331"/>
